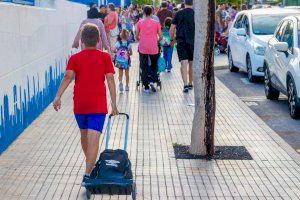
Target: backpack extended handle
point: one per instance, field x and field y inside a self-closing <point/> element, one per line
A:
<point x="108" y="130"/>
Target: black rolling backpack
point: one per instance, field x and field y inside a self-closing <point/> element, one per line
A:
<point x="112" y="173"/>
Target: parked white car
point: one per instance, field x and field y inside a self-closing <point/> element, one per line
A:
<point x="249" y="36"/>
<point x="282" y="64"/>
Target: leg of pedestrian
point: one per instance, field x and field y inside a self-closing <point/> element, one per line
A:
<point x="184" y="72"/>
<point x="144" y="68"/>
<point x="121" y="87"/>
<point x="92" y="149"/>
<point x="153" y="71"/>
<point x="154" y="67"/>
<point x="127" y="79"/>
<point x="190" y="84"/>
<point x="83" y="139"/>
<point x="170" y="56"/>
<point x="184" y="57"/>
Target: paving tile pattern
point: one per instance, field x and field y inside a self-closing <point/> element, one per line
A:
<point x="46" y="161"/>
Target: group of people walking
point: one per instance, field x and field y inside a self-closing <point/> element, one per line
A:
<point x="155" y="28"/>
<point x="113" y="30"/>
<point x="225" y="15"/>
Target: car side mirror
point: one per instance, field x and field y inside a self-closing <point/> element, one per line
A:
<point x="241" y="32"/>
<point x="281" y="46"/>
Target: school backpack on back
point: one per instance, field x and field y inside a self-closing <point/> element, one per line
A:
<point x="122" y="58"/>
<point x="166" y="41"/>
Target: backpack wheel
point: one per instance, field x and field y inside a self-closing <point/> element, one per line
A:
<point x="88" y="194"/>
<point x="159" y="85"/>
<point x="133" y="193"/>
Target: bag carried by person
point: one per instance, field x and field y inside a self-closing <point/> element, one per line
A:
<point x="161" y="63"/>
<point x="122" y="58"/>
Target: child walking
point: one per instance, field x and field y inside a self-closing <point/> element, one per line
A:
<point x="90" y="67"/>
<point x="123" y="52"/>
<point x="166" y="44"/>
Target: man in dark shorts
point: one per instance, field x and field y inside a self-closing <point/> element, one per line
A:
<point x="184" y="24"/>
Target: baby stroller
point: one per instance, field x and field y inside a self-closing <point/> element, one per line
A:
<point x="139" y="82"/>
<point x="220" y="44"/>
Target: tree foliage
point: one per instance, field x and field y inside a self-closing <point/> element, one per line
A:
<point x="150" y="2"/>
<point x="146" y="2"/>
<point x="178" y="1"/>
<point x="233" y="2"/>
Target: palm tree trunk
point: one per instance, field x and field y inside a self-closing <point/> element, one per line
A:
<point x="202" y="138"/>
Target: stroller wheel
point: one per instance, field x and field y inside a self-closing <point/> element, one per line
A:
<point x="133" y="192"/>
<point x="217" y="51"/>
<point x="159" y="85"/>
<point x="88" y="194"/>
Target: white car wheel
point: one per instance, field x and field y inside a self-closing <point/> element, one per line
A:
<point x="249" y="70"/>
<point x="292" y="98"/>
<point x="270" y="91"/>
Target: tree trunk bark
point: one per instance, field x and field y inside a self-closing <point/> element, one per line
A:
<point x="202" y="139"/>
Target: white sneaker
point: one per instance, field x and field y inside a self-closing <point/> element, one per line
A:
<point x="126" y="88"/>
<point x="146" y="90"/>
<point x="121" y="87"/>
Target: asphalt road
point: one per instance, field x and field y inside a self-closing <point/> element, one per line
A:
<point x="274" y="113"/>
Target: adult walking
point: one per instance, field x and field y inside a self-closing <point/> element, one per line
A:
<point x="184" y="24"/>
<point x="92" y="5"/>
<point x="102" y="12"/>
<point x="164" y="13"/>
<point x="93" y="18"/>
<point x="111" y="24"/>
<point x="220" y="25"/>
<point x="148" y="33"/>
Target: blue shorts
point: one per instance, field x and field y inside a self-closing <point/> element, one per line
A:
<point x="91" y="121"/>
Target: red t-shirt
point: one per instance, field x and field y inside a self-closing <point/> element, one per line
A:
<point x="114" y="23"/>
<point x="90" y="67"/>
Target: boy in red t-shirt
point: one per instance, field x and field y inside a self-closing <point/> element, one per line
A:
<point x="90" y="67"/>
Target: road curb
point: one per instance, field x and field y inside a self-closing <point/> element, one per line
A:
<point x="220" y="67"/>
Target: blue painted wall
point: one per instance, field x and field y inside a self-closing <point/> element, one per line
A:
<point x="26" y="107"/>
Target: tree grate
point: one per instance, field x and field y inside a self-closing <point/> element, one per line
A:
<point x="221" y="153"/>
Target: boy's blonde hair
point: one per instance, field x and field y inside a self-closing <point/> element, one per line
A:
<point x="90" y="35"/>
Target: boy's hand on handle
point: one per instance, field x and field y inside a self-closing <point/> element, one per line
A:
<point x="57" y="103"/>
<point x="114" y="110"/>
<point x="172" y="43"/>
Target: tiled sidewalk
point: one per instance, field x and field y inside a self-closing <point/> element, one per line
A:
<point x="46" y="161"/>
